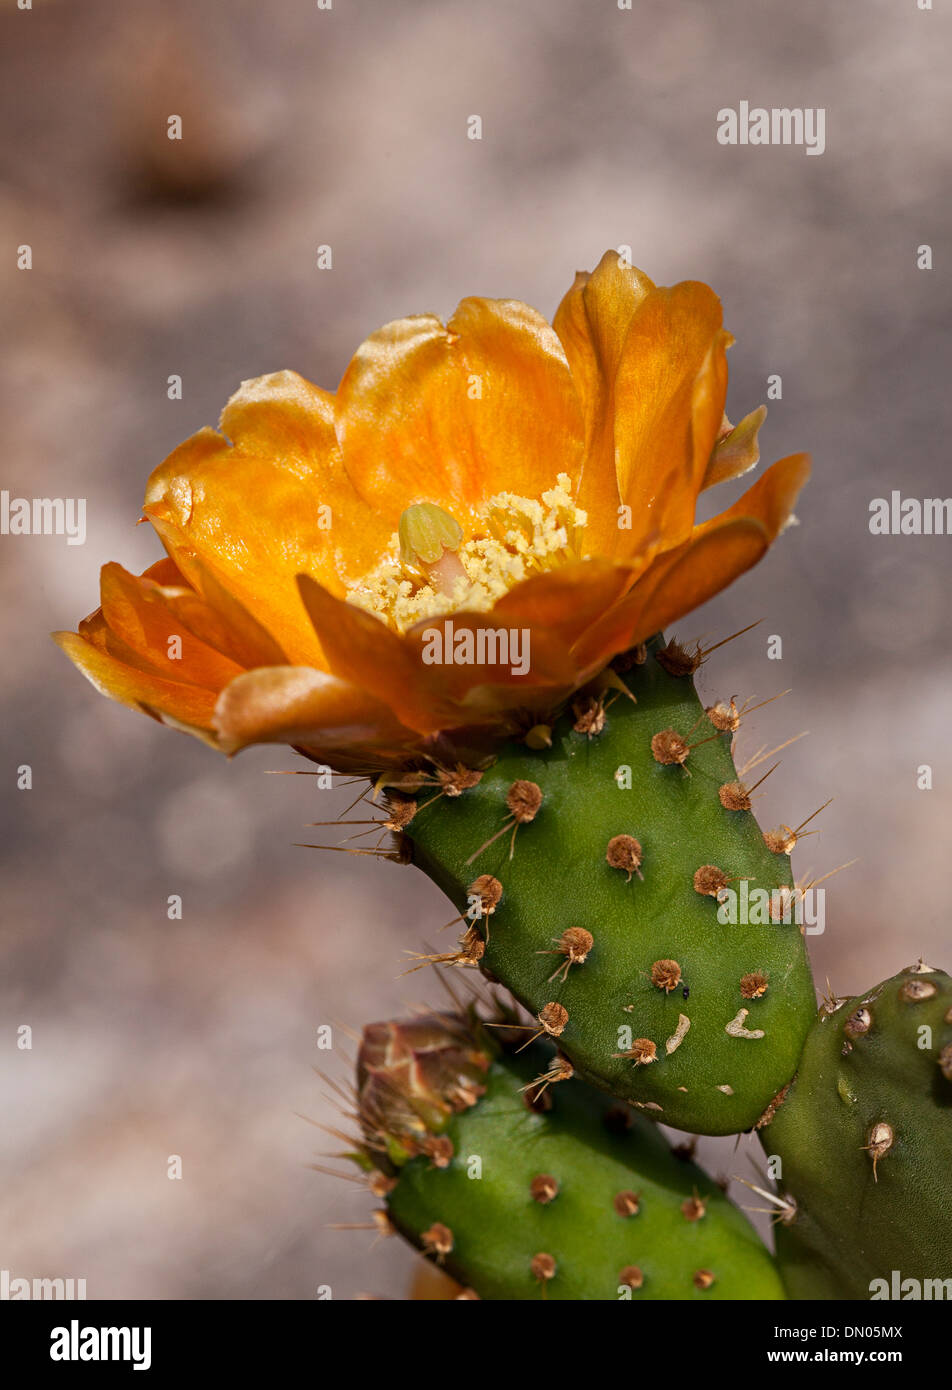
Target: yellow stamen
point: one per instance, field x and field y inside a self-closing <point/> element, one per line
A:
<point x="429" y="570"/>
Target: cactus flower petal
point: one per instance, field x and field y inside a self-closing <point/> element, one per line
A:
<point x="499" y="472"/>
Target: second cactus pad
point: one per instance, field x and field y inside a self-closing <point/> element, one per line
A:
<point x="864" y="1144"/>
<point x="600" y="875"/>
<point x="527" y="1190"/>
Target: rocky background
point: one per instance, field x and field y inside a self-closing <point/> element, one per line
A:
<point x="347" y="127"/>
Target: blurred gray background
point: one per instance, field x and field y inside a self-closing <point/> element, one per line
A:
<point x="197" y="1037"/>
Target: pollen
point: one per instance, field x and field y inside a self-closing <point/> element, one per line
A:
<point x="429" y="569"/>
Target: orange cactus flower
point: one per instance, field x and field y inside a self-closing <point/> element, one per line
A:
<point x="479" y="520"/>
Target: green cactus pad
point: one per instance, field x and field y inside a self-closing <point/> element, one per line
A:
<point x="574" y="1201"/>
<point x="645" y="918"/>
<point x="864" y="1137"/>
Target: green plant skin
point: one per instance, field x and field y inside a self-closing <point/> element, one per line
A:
<point x="852" y="1227"/>
<point x="558" y="878"/>
<point x="498" y="1226"/>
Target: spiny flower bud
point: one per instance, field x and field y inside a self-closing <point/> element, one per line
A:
<point x="412" y="1075"/>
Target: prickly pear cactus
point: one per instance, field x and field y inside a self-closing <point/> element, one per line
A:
<point x="524" y="1184"/>
<point x="595" y="873"/>
<point x="864" y="1137"/>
